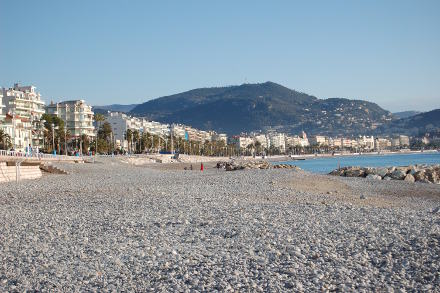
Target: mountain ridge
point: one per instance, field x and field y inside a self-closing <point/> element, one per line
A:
<point x="263" y="106"/>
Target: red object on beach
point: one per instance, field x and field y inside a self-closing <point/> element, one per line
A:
<point x="201" y="166"/>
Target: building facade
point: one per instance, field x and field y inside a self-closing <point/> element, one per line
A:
<point x="77" y="117"/>
<point x="19" y="130"/>
<point x="25" y="102"/>
<point x="2" y="107"/>
<point x="278" y="140"/>
<point x="318" y="140"/>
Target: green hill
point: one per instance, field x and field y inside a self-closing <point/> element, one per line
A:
<point x="264" y="106"/>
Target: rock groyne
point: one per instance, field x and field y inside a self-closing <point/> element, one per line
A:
<point x="413" y="173"/>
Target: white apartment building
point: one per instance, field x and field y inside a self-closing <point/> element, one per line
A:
<point x="263" y="140"/>
<point x="156" y="128"/>
<point x="178" y="130"/>
<point x="24" y="102"/>
<point x="241" y="142"/>
<point x="19" y="130"/>
<point x="220" y="137"/>
<point x="346" y="142"/>
<point x="366" y="142"/>
<point x="119" y="122"/>
<point x="318" y="140"/>
<point x="395" y="142"/>
<point x="278" y="140"/>
<point x="2" y="107"/>
<point x="293" y="141"/>
<point x="404" y="140"/>
<point x="335" y="142"/>
<point x="77" y="117"/>
<point x="382" y="143"/>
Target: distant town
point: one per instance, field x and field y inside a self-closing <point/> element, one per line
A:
<point x="27" y="124"/>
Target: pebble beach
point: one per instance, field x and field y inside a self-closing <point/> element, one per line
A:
<point x="115" y="226"/>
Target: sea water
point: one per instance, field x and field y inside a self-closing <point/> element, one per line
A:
<point x="327" y="164"/>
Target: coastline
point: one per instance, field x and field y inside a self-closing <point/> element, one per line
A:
<point x="282" y="158"/>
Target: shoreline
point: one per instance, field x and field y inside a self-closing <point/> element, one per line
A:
<point x="315" y="156"/>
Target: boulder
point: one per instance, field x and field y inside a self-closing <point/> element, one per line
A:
<point x="374" y="177"/>
<point x="424" y="180"/>
<point x="369" y="171"/>
<point x="338" y="172"/>
<point x="413" y="170"/>
<point x="432" y="175"/>
<point x="354" y="172"/>
<point x="382" y="172"/>
<point x="398" y="174"/>
<point x="387" y="178"/>
<point x="409" y="178"/>
<point x="419" y="175"/>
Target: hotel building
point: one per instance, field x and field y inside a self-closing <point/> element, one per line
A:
<point x="77" y="117"/>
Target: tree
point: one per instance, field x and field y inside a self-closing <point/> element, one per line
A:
<point x="144" y="141"/>
<point x="258" y="147"/>
<point x="98" y="119"/>
<point x="136" y="138"/>
<point x="85" y="143"/>
<point x="105" y="131"/>
<point x="53" y="135"/>
<point x="5" y="140"/>
<point x="104" y="135"/>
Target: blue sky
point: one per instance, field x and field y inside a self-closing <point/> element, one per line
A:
<point x="126" y="52"/>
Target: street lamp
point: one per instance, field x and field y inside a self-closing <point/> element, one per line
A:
<point x="65" y="141"/>
<point x="53" y="138"/>
<point x="13" y="130"/>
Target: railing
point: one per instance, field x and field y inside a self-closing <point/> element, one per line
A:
<point x="34" y="155"/>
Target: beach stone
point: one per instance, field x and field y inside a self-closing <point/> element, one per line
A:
<point x="115" y="227"/>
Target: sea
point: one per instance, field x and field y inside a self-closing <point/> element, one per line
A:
<point x="325" y="165"/>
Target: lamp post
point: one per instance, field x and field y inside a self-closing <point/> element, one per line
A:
<point x="171" y="133"/>
<point x="53" y="139"/>
<point x="65" y="141"/>
<point x="13" y="130"/>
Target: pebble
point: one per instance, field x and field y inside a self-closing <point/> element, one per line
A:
<point x="118" y="227"/>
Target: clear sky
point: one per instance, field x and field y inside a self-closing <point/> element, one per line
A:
<point x="126" y="52"/>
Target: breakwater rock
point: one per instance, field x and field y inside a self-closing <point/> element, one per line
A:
<point x="416" y="173"/>
<point x="241" y="165"/>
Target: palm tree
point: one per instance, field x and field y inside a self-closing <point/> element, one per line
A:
<point x="85" y="143"/>
<point x="136" y="137"/>
<point x="99" y="118"/>
<point x="129" y="137"/>
<point x="258" y="147"/>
